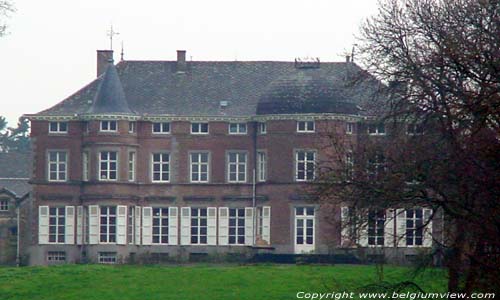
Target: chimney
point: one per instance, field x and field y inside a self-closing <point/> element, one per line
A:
<point x="104" y="57"/>
<point x="347" y="58"/>
<point x="181" y="61"/>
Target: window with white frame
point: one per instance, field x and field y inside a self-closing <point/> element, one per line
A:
<point x="160" y="225"/>
<point x="107" y="224"/>
<point x="237" y="166"/>
<point x="107" y="257"/>
<point x="56" y="256"/>
<point x="376" y="224"/>
<point x="349" y="165"/>
<point x="161" y="167"/>
<point x="236" y="226"/>
<point x="261" y="166"/>
<point x="58" y="163"/>
<point x="57" y="221"/>
<point x="58" y="127"/>
<point x="376" y="166"/>
<point x="109" y="126"/>
<point x="131" y="225"/>
<point x="376" y="129"/>
<point x="349" y="128"/>
<point x="199" y="226"/>
<point x="132" y="127"/>
<point x="237" y="128"/>
<point x="85" y="166"/>
<point x="414" y="129"/>
<point x="414" y="227"/>
<point x="199" y="169"/>
<point x="305" y="165"/>
<point x="161" y="127"/>
<point x="131" y="166"/>
<point x="108" y="165"/>
<point x="4" y="205"/>
<point x="304" y="225"/>
<point x="305" y="126"/>
<point x="262" y="128"/>
<point x="199" y="128"/>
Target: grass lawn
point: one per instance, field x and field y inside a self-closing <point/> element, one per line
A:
<point x="260" y="282"/>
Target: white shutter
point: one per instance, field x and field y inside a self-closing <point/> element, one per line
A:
<point x="389" y="228"/>
<point x="363" y="233"/>
<point x="212" y="226"/>
<point x="172" y="226"/>
<point x="223" y="226"/>
<point x="43" y="225"/>
<point x="427" y="242"/>
<point x="185" y="225"/>
<point x="121" y="225"/>
<point x="69" y="226"/>
<point x="79" y="225"/>
<point x="137" y="225"/>
<point x="93" y="224"/>
<point x="401" y="227"/>
<point x="249" y="211"/>
<point x="147" y="225"/>
<point x="266" y="224"/>
<point x="344" y="225"/>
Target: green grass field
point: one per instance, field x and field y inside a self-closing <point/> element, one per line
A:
<point x="266" y="282"/>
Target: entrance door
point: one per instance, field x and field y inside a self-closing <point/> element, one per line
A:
<point x="304" y="230"/>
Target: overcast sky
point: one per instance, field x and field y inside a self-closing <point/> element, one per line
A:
<point x="50" y="51"/>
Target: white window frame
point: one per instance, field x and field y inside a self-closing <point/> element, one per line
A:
<point x="199" y="125"/>
<point x="377" y="129"/>
<point x="198" y="227"/>
<point x="308" y="128"/>
<point x="199" y="164"/>
<point x="162" y="164"/>
<point x="4" y="204"/>
<point x="305" y="161"/>
<point x="132" y="127"/>
<point x="109" y="237"/>
<point x="163" y="231"/>
<point x="107" y="257"/>
<point x="58" y="163"/>
<point x="349" y="164"/>
<point x="238" y="165"/>
<point x="261" y="166"/>
<point x="132" y="158"/>
<point x="415" y="227"/>
<point x="85" y="165"/>
<point x="163" y="127"/>
<point x="262" y="127"/>
<point x="56" y="256"/>
<point x="349" y="129"/>
<point x="58" y="127"/>
<point x="131" y="225"/>
<point x="108" y="126"/>
<point x="240" y="128"/>
<point x="304" y="218"/>
<point x="373" y="224"/>
<point x="239" y="223"/>
<point x="58" y="224"/>
<point x="108" y="163"/>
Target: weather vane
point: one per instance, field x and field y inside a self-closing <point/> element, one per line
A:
<point x="111" y="33"/>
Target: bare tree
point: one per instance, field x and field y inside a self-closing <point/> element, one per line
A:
<point x="5" y="8"/>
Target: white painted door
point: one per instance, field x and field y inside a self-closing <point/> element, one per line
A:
<point x="304" y="230"/>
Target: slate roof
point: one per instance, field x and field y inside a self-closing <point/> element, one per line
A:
<point x="15" y="171"/>
<point x="156" y="88"/>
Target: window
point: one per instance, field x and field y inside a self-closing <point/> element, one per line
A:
<point x="86" y="127"/>
<point x="108" y="224"/>
<point x="376" y="129"/>
<point x="261" y="166"/>
<point x="108" y="165"/>
<point x="199" y="128"/>
<point x="132" y="127"/>
<point x="85" y="166"/>
<point x="131" y="166"/>
<point x="376" y="166"/>
<point x="262" y="128"/>
<point x="349" y="128"/>
<point x="199" y="167"/>
<point x="237" y="165"/>
<point x="349" y="162"/>
<point x="4" y="205"/>
<point x="56" y="224"/>
<point x="304" y="227"/>
<point x="414" y="129"/>
<point x="237" y="128"/>
<point x="57" y="165"/>
<point x="161" y="127"/>
<point x="236" y="226"/>
<point x="56" y="256"/>
<point x="199" y="226"/>
<point x="414" y="227"/>
<point x="376" y="223"/>
<point x="160" y="225"/>
<point x="305" y="165"/>
<point x="305" y="126"/>
<point x="131" y="225"/>
<point x="109" y="126"/>
<point x="58" y="127"/>
<point x="107" y="257"/>
<point x="161" y="167"/>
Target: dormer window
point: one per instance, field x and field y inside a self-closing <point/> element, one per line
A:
<point x="305" y="126"/>
<point x="376" y="129"/>
<point x="262" y="128"/>
<point x="109" y="126"/>
<point x="132" y="127"/>
<point x="238" y="128"/>
<point x="161" y="127"/>
<point x="58" y="127"/>
<point x="349" y="128"/>
<point x="199" y="128"/>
